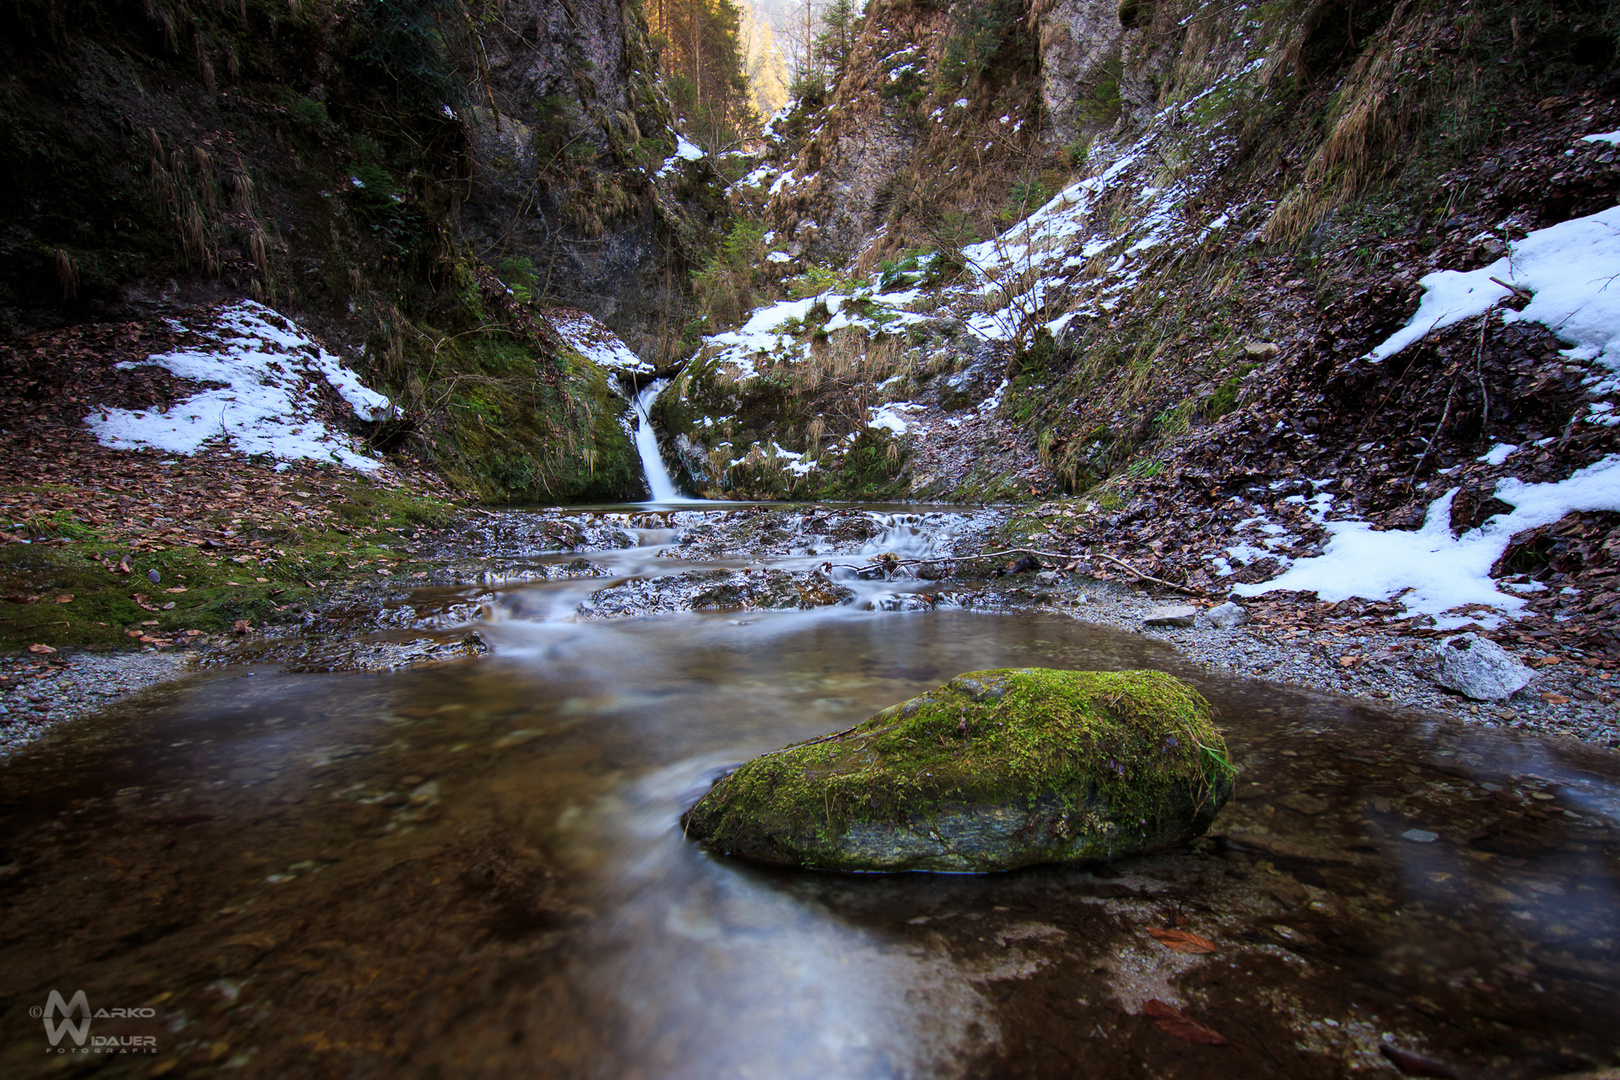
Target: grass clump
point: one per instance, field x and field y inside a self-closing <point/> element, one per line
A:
<point x="994" y="770"/>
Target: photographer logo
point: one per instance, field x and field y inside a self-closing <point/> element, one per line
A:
<point x="67" y="1027"/>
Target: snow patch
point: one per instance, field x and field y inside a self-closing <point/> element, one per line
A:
<point x="269" y="403"/>
<point x="889" y="417"/>
<point x="1569" y="267"/>
<point x="1429" y="570"/>
<point x="601" y="346"/>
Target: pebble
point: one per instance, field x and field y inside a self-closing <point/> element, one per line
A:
<point x="40" y="699"/>
<point x="1399" y="680"/>
<point x="1420" y="836"/>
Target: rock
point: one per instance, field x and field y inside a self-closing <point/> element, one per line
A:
<point x="1047" y="577"/>
<point x="1301" y="803"/>
<point x="1261" y="350"/>
<point x="1479" y="668"/>
<point x="1227" y="616"/>
<point x="1175" y="615"/>
<point x="1420" y="836"/>
<point x="992" y="771"/>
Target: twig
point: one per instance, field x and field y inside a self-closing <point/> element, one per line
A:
<point x="1526" y="293"/>
<point x="1149" y="577"/>
<point x="1444" y="416"/>
<point x="812" y="742"/>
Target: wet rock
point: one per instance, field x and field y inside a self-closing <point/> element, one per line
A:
<point x="1175" y="615"/>
<point x="992" y="771"/>
<point x="1227" y="616"/>
<point x="1301" y="803"/>
<point x="1479" y="668"/>
<point x="715" y="590"/>
<point x="1420" y="836"/>
<point x="338" y="655"/>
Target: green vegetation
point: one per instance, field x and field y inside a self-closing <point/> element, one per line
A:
<point x="726" y="286"/>
<point x="69" y="585"/>
<point x="704" y="68"/>
<point x="983" y="37"/>
<point x="1117" y="757"/>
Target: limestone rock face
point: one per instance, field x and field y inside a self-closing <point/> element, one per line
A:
<point x="553" y="136"/>
<point x="1077" y="38"/>
<point x="992" y="771"/>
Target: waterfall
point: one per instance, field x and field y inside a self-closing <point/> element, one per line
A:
<point x="660" y="485"/>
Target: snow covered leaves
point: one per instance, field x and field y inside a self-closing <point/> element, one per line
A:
<point x="264" y="382"/>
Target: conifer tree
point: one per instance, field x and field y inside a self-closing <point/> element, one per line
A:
<point x="705" y="69"/>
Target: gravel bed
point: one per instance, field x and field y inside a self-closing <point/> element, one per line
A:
<point x="39" y="695"/>
<point x="1389" y="670"/>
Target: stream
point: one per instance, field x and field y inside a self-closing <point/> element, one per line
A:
<point x="477" y="868"/>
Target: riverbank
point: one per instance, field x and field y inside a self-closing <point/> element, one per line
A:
<point x="399" y="596"/>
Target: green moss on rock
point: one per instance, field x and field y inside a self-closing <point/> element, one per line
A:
<point x="992" y="771"/>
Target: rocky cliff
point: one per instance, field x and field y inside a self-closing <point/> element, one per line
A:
<point x="1154" y="254"/>
<point x="393" y="175"/>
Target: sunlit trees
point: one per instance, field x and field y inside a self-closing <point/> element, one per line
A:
<point x="704" y="66"/>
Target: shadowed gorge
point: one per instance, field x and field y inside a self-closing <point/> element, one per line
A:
<point x="929" y="539"/>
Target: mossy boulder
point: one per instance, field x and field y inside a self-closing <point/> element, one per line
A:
<point x="992" y="771"/>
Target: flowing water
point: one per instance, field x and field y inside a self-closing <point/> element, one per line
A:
<point x="661" y="487"/>
<point x="477" y="869"/>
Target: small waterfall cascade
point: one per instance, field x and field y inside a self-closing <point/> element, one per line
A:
<point x="660" y="485"/>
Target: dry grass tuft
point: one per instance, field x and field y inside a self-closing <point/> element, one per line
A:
<point x="1371" y="116"/>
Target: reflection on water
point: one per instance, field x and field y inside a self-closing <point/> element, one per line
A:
<point x="478" y="869"/>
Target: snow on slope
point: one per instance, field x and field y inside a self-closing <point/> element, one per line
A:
<point x="268" y="403"/>
<point x="1431" y="571"/>
<point x="1033" y="274"/>
<point x="601" y="346"/>
<point x="1570" y="268"/>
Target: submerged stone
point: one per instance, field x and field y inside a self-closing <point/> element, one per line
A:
<point x="992" y="771"/>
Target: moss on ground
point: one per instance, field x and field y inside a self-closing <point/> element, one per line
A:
<point x="1117" y="752"/>
<point x="213" y="569"/>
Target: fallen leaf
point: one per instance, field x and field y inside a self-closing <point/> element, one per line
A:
<point x="241" y="626"/>
<point x="43" y="650"/>
<point x="1172" y="1021"/>
<point x="1182" y="941"/>
<point x="65" y="598"/>
<point x="19" y="598"/>
<point x="176" y="589"/>
<point x="1347" y="661"/>
<point x="124" y="566"/>
<point x="1554" y="699"/>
